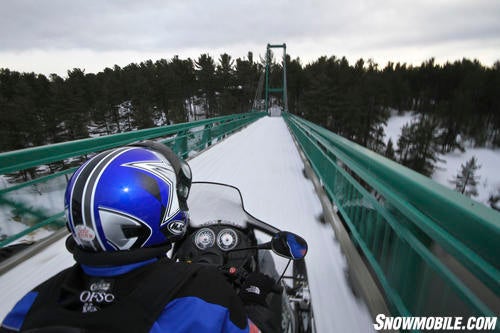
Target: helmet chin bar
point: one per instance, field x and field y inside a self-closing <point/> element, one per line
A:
<point x="115" y="258"/>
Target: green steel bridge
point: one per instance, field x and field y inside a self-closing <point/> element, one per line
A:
<point x="429" y="250"/>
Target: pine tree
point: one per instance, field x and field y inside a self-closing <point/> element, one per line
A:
<point x="389" y="150"/>
<point x="226" y="85"/>
<point x="417" y="145"/>
<point x="205" y="74"/>
<point x="76" y="105"/>
<point x="247" y="76"/>
<point x="404" y="144"/>
<point x="295" y="83"/>
<point x="376" y="142"/>
<point x="466" y="180"/>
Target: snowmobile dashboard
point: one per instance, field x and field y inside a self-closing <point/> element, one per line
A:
<point x="222" y="232"/>
<point x="214" y="244"/>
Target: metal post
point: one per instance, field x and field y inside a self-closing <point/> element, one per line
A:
<point x="285" y="97"/>
<point x="268" y="60"/>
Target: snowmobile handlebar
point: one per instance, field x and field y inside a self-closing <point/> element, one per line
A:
<point x="239" y="275"/>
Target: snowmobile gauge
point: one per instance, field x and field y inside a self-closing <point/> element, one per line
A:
<point x="204" y="238"/>
<point x="227" y="239"/>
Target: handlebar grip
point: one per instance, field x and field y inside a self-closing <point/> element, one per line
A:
<point x="277" y="288"/>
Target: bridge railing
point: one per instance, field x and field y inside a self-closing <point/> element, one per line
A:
<point x="433" y="251"/>
<point x="23" y="202"/>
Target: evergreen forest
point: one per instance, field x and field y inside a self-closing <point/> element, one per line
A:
<point x="458" y="103"/>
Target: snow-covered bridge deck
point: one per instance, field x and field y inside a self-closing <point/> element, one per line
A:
<point x="264" y="163"/>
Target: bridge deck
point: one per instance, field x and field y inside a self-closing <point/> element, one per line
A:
<point x="263" y="162"/>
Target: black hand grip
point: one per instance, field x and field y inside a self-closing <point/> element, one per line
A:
<point x="277" y="288"/>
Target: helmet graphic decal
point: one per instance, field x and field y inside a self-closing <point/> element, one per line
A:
<point x="123" y="230"/>
<point x="166" y="173"/>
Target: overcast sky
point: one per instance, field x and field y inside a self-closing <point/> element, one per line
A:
<point x="52" y="36"/>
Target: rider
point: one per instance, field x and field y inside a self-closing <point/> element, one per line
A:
<point x="124" y="209"/>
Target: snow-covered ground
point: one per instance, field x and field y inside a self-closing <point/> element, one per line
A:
<point x="449" y="167"/>
<point x="263" y="162"/>
<point x="46" y="197"/>
<point x="488" y="159"/>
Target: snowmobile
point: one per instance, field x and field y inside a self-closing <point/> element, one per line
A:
<point x="223" y="234"/>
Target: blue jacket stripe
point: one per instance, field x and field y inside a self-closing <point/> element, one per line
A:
<point x="15" y="318"/>
<point x="192" y="314"/>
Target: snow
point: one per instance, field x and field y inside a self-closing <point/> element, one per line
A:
<point x="13" y="227"/>
<point x="44" y="197"/>
<point x="489" y="159"/>
<point x="263" y="162"/>
<point x="394" y="125"/>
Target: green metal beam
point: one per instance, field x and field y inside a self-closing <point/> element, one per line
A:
<point x="409" y="228"/>
<point x="474" y="224"/>
<point x="273" y="46"/>
<point x="31" y="157"/>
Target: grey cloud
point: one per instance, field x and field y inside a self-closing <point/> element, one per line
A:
<point x="155" y="25"/>
<point x="121" y="25"/>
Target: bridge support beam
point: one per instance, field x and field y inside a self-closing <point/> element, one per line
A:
<point x="283" y="87"/>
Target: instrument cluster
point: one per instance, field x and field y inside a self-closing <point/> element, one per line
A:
<point x="224" y="238"/>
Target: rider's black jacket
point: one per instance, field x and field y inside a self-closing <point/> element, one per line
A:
<point x="156" y="296"/>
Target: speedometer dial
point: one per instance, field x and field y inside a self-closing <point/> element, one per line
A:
<point x="227" y="239"/>
<point x="204" y="238"/>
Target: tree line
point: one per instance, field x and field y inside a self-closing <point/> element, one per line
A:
<point x="37" y="110"/>
<point x="457" y="103"/>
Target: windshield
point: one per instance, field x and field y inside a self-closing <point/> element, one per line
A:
<point x="212" y="203"/>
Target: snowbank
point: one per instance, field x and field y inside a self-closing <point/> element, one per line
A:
<point x="488" y="159"/>
<point x="446" y="170"/>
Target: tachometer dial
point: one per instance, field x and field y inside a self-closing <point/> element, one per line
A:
<point x="227" y="239"/>
<point x="204" y="238"/>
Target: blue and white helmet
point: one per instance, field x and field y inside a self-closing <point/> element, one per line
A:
<point x="128" y="198"/>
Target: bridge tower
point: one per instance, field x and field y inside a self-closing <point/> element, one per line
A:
<point x="281" y="89"/>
